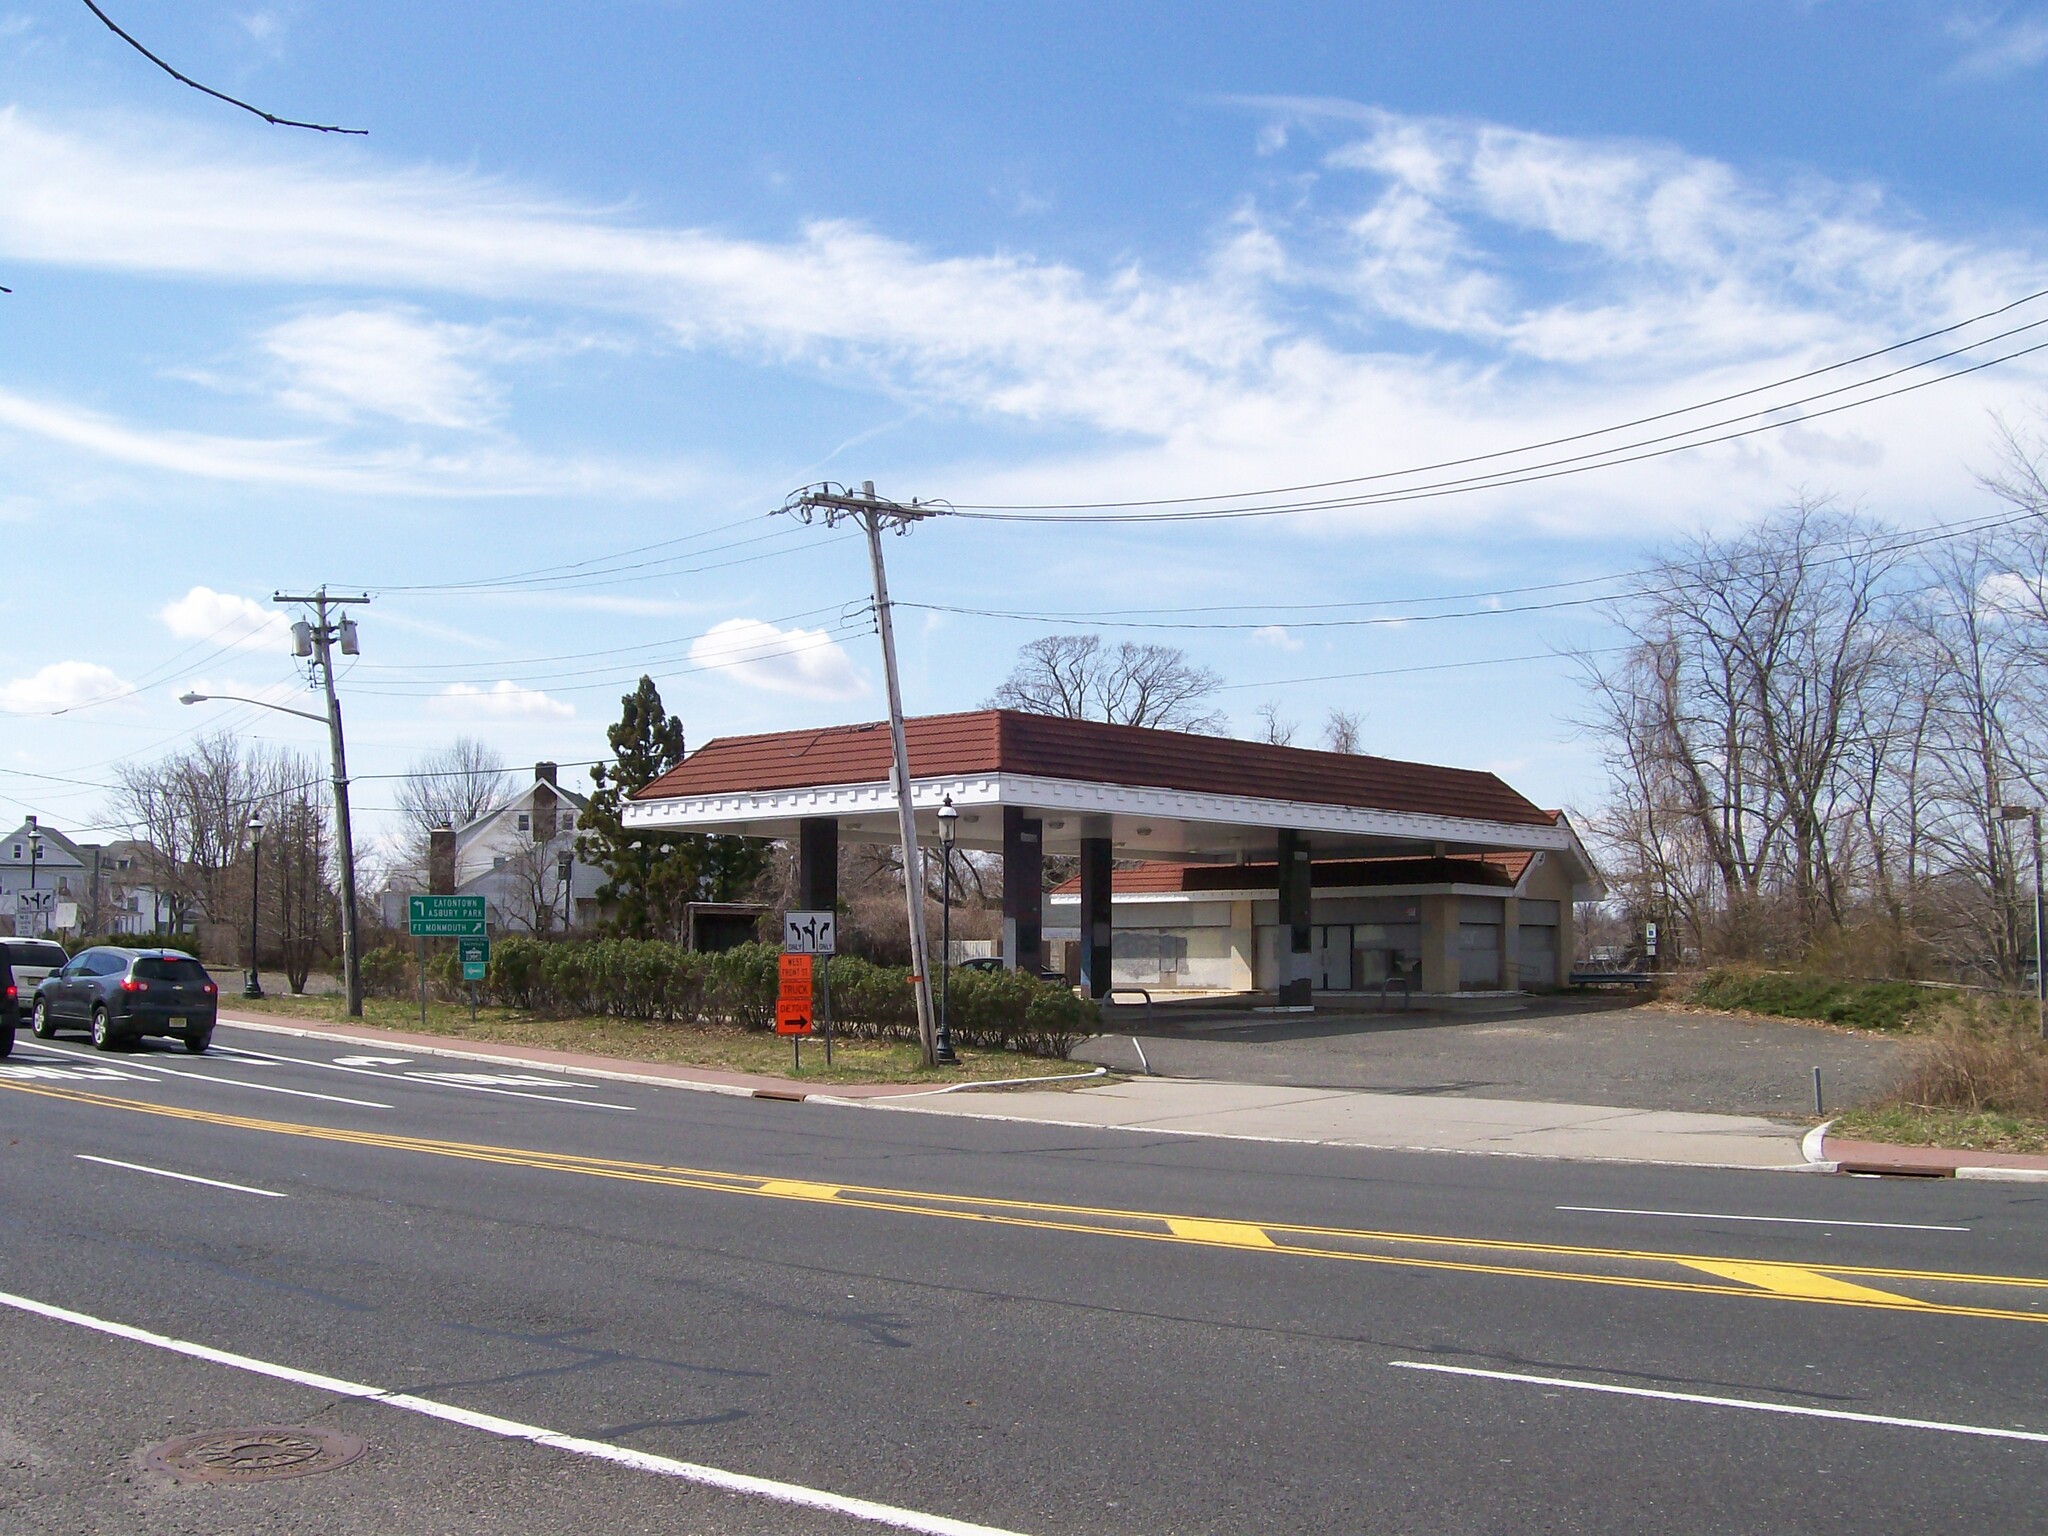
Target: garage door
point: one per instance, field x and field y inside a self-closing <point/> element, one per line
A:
<point x="1478" y="957"/>
<point x="1536" y="958"/>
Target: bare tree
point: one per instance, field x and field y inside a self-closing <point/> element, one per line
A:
<point x="1273" y="730"/>
<point x="1343" y="731"/>
<point x="451" y="787"/>
<point x="1077" y="677"/>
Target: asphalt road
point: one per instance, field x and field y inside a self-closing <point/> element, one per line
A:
<point x="1640" y="1057"/>
<point x="1032" y="1329"/>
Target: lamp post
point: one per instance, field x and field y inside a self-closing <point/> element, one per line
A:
<point x="35" y="854"/>
<point x="2032" y="815"/>
<point x="253" y="986"/>
<point x="943" y="1046"/>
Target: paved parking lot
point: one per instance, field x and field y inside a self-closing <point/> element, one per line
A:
<point x="1634" y="1055"/>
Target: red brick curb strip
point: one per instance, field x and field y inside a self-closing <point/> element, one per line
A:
<point x="1931" y="1162"/>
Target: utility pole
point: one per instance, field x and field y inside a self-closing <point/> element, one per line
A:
<point x="836" y="504"/>
<point x="317" y="641"/>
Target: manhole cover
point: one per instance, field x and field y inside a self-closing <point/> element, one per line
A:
<point x="263" y="1454"/>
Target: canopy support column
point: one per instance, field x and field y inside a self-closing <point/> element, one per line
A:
<point x="817" y="864"/>
<point x="1294" y="952"/>
<point x="1095" y="916"/>
<point x="1023" y="891"/>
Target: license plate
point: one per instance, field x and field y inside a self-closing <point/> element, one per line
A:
<point x="178" y="1023"/>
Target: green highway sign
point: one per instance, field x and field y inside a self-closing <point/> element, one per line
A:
<point x="446" y="917"/>
<point x="475" y="955"/>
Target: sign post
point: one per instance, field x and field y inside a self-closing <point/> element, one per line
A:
<point x="475" y="955"/>
<point x="793" y="1003"/>
<point x="449" y="917"/>
<point x="815" y="933"/>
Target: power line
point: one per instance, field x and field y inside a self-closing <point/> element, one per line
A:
<point x="182" y="79"/>
<point x="1110" y="618"/>
<point x="486" y="667"/>
<point x="1555" y="442"/>
<point x="1529" y="475"/>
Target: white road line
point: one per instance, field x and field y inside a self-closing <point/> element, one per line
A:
<point x="428" y="1078"/>
<point x="230" y="1082"/>
<point x="511" y="1429"/>
<point x="1840" y="1414"/>
<point x="1797" y="1221"/>
<point x="189" y="1178"/>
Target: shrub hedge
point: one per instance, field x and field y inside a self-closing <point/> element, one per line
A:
<point x="647" y="979"/>
<point x="1861" y="1004"/>
<point x="188" y="942"/>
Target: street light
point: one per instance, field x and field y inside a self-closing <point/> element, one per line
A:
<point x="942" y="1047"/>
<point x="317" y="640"/>
<point x="253" y="987"/>
<point x="35" y="853"/>
<point x="2032" y="815"/>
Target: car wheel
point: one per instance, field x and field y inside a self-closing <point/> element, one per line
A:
<point x="102" y="1031"/>
<point x="40" y="1022"/>
<point x="197" y="1040"/>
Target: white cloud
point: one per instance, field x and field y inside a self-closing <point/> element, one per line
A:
<point x="1999" y="44"/>
<point x="804" y="662"/>
<point x="1275" y="635"/>
<point x="503" y="700"/>
<point x="1442" y="287"/>
<point x="383" y="362"/>
<point x="227" y="619"/>
<point x="60" y="686"/>
<point x="487" y="471"/>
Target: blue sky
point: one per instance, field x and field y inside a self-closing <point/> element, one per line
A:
<point x="614" y="275"/>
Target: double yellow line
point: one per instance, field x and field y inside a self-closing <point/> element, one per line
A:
<point x="1909" y="1290"/>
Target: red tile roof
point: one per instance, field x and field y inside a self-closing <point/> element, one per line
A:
<point x="1160" y="878"/>
<point x="1006" y="741"/>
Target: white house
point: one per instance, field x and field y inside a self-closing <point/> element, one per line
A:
<point x="522" y="859"/>
<point x="41" y="859"/>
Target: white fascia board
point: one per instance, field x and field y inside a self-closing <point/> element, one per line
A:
<point x="1084" y="798"/>
<point x="710" y="812"/>
<point x="1271" y="893"/>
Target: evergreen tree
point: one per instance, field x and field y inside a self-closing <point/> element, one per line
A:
<point x="649" y="876"/>
<point x="652" y="877"/>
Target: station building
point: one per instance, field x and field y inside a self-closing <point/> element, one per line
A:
<point x="1248" y="866"/>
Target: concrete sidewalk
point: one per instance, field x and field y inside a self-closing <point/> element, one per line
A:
<point x="1320" y="1117"/>
<point x="1390" y="1121"/>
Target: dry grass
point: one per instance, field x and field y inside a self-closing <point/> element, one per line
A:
<point x="1975" y="1086"/>
<point x="683" y="1045"/>
<point x="1978" y="1068"/>
<point x="1912" y="1125"/>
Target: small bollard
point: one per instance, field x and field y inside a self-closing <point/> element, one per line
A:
<point x="1818" y="1107"/>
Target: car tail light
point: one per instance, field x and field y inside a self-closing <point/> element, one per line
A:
<point x="132" y="985"/>
<point x="11" y="993"/>
<point x="209" y="989"/>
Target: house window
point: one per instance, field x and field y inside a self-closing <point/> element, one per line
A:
<point x="525" y="822"/>
<point x="498" y="862"/>
<point x="17" y="850"/>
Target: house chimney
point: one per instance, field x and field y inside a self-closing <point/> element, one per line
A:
<point x="545" y="772"/>
<point x="441" y="861"/>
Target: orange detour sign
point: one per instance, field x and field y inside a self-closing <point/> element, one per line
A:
<point x="793" y="996"/>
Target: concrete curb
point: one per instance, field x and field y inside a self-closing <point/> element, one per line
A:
<point x="1813" y="1147"/>
<point x="2006" y="1175"/>
<point x="906" y="1103"/>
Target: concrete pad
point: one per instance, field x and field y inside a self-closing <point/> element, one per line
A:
<point x="1396" y="1121"/>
